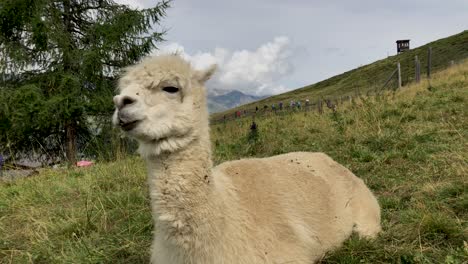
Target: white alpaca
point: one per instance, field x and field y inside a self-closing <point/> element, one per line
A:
<point x="289" y="208"/>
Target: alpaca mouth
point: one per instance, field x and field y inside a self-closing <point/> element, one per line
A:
<point x="128" y="125"/>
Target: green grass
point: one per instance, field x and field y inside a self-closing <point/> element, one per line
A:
<point x="372" y="76"/>
<point x="96" y="215"/>
<point x="410" y="147"/>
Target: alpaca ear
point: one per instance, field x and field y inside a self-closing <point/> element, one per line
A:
<point x="204" y="75"/>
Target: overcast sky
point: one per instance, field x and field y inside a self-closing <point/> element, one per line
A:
<point x="272" y="46"/>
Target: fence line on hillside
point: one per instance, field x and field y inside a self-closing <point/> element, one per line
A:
<point x="332" y="103"/>
<point x="317" y="106"/>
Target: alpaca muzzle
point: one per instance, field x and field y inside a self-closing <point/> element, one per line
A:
<point x="125" y="122"/>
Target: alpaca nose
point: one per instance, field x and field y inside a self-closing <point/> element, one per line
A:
<point x="122" y="101"/>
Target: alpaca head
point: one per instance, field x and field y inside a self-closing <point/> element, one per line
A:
<point x="162" y="104"/>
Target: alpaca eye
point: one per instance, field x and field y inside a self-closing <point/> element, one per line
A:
<point x="171" y="89"/>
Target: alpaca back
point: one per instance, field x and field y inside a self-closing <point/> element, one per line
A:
<point x="297" y="202"/>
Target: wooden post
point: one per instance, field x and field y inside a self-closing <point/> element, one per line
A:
<point x="419" y="71"/>
<point x="429" y="61"/>
<point x="319" y="106"/>
<point x="416" y="68"/>
<point x="399" y="75"/>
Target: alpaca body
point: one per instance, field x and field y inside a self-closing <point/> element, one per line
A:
<point x="290" y="208"/>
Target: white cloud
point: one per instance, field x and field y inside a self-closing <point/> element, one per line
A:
<point x="256" y="72"/>
<point x="335" y="36"/>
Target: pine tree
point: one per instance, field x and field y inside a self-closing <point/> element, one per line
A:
<point x="58" y="63"/>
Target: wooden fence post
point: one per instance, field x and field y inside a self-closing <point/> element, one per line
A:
<point x="319" y="106"/>
<point x="416" y="69"/>
<point x="419" y="70"/>
<point x="399" y="75"/>
<point x="429" y="61"/>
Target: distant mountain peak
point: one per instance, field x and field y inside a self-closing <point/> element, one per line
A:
<point x="220" y="101"/>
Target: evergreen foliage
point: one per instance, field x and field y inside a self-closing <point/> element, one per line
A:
<point x="58" y="64"/>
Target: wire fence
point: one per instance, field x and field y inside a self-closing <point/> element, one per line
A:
<point x="391" y="83"/>
<point x="291" y="107"/>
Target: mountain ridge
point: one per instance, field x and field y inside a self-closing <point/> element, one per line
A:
<point x="230" y="99"/>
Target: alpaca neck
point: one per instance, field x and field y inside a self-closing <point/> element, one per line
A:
<point x="181" y="190"/>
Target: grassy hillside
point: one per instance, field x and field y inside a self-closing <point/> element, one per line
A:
<point x="410" y="147"/>
<point x="374" y="75"/>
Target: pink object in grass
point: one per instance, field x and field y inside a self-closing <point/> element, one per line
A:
<point x="84" y="163"/>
